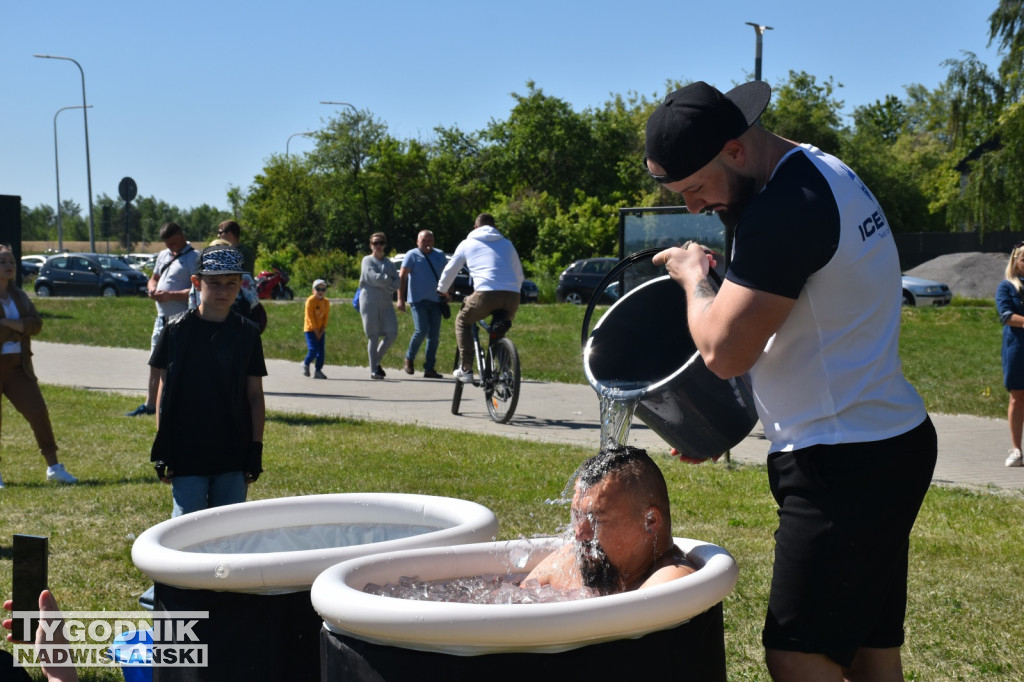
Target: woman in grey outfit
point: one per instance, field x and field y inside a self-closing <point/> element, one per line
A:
<point x="378" y="280"/>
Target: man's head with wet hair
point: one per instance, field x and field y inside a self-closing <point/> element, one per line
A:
<point x="621" y="519"/>
<point x="634" y="471"/>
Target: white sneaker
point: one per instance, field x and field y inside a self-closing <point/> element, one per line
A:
<point x="59" y="474"/>
<point x="1014" y="459"/>
<point x="462" y="375"/>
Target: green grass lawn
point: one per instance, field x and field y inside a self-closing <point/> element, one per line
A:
<point x="548" y="336"/>
<point x="965" y="599"/>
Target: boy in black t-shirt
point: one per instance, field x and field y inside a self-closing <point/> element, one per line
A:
<point x="210" y="406"/>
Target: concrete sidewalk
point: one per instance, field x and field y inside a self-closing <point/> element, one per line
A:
<point x="971" y="449"/>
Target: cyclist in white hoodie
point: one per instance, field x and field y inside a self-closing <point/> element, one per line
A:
<point x="497" y="276"/>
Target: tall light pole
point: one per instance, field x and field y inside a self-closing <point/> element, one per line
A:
<point x="88" y="165"/>
<point x="286" y="153"/>
<point x="759" y="30"/>
<point x="343" y="104"/>
<point x="56" y="167"/>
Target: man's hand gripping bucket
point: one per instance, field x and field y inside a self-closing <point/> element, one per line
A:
<point x="642" y="348"/>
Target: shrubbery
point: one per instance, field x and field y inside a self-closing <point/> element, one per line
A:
<point x="340" y="270"/>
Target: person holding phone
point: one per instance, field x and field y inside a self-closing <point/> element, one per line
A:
<point x="19" y="322"/>
<point x="49" y="611"/>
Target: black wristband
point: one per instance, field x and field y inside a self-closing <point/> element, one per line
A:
<point x="254" y="459"/>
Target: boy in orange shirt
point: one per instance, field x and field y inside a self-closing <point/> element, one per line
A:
<point x="315" y="327"/>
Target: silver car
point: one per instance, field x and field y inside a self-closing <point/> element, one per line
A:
<point x="925" y="292"/>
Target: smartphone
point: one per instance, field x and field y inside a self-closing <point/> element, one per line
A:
<point x="30" y="578"/>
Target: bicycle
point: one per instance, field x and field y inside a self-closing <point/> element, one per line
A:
<point x="497" y="369"/>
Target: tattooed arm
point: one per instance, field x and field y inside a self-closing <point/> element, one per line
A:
<point x="732" y="327"/>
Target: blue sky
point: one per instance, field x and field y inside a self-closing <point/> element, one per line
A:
<point x="190" y="98"/>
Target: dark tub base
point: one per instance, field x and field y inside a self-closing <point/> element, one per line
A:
<point x="251" y="637"/>
<point x="692" y="651"/>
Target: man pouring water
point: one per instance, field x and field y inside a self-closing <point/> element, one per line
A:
<point x="810" y="307"/>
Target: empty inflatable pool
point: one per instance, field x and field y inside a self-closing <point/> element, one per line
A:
<point x="251" y="566"/>
<point x="675" y="628"/>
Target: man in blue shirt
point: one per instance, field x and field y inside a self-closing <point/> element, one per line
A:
<point x="418" y="277"/>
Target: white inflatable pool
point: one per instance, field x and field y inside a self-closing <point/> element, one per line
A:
<point x="281" y="545"/>
<point x="473" y="629"/>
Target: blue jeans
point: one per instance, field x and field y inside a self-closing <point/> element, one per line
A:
<point x="192" y="493"/>
<point x="426" y="316"/>
<point x="315" y="349"/>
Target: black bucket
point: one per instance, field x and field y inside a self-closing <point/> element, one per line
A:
<point x="641" y="348"/>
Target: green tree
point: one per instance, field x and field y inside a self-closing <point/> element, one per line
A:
<point x="520" y="216"/>
<point x="586" y="229"/>
<point x="1006" y="28"/>
<point x="344" y="151"/>
<point x="543" y="146"/>
<point x="281" y="206"/>
<point x="993" y="194"/>
<point x="456" y="189"/>
<point x="986" y="130"/>
<point x="38" y="224"/>
<point x="200" y="222"/>
<point x="152" y="214"/>
<point x="617" y="150"/>
<point x="975" y="99"/>
<point x="75" y="226"/>
<point x="806" y="111"/>
<point x="885" y="119"/>
<point x="899" y="151"/>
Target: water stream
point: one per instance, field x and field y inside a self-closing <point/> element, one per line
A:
<point x="618" y="403"/>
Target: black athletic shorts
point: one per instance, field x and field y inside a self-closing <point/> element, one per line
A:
<point x="845" y="514"/>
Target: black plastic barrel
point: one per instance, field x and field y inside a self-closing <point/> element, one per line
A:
<point x="693" y="651"/>
<point x="641" y="348"/>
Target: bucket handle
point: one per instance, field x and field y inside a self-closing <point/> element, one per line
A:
<point x="617" y="271"/>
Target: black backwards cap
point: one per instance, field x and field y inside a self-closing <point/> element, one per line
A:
<point x="220" y="260"/>
<point x="692" y="125"/>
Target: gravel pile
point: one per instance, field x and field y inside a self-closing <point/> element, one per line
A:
<point x="971" y="275"/>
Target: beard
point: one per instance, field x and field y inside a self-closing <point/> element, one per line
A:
<point x="742" y="191"/>
<point x="595" y="569"/>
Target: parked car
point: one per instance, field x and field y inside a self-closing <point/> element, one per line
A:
<point x="578" y="282"/>
<point x="30" y="265"/>
<point x="88" y="274"/>
<point x="463" y="285"/>
<point x="925" y="292"/>
<point x="139" y="261"/>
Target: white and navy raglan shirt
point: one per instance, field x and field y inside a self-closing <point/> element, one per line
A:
<point x="831" y="373"/>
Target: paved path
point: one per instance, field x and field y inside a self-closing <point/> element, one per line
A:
<point x="971" y="449"/>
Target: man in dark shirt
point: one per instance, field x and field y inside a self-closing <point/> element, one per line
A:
<point x="852" y="449"/>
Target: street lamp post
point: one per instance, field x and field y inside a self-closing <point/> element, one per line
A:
<point x="342" y="104"/>
<point x="88" y="165"/>
<point x="56" y="167"/>
<point x="286" y="153"/>
<point x="759" y="30"/>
